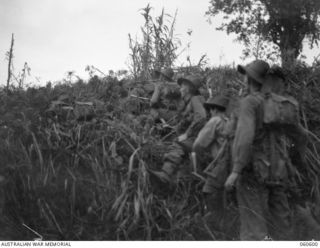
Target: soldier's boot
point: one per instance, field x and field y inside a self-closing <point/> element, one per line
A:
<point x="206" y="223"/>
<point x="214" y="220"/>
<point x="215" y="206"/>
<point x="166" y="174"/>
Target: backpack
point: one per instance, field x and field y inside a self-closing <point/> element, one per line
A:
<point x="280" y="110"/>
<point x="280" y="115"/>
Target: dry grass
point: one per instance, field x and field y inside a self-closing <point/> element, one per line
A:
<point x="76" y="164"/>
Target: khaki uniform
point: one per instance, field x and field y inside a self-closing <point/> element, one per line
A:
<point x="261" y="158"/>
<point x="193" y="116"/>
<point x="213" y="136"/>
<point x="165" y="101"/>
<point x="140" y="89"/>
<point x="139" y="95"/>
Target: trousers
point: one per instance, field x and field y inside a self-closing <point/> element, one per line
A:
<point x="215" y="207"/>
<point x="264" y="210"/>
<point x="177" y="152"/>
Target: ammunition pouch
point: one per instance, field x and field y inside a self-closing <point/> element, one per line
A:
<point x="270" y="173"/>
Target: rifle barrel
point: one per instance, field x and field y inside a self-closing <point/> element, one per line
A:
<point x="139" y="97"/>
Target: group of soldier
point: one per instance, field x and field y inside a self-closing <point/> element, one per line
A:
<point x="248" y="156"/>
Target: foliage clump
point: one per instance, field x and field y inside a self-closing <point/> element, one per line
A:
<point x="281" y="24"/>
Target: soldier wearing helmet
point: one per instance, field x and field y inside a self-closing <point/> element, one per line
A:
<point x="259" y="171"/>
<point x="165" y="98"/>
<point x="214" y="136"/>
<point x="192" y="116"/>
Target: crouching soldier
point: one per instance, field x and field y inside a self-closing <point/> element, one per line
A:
<point x="192" y="116"/>
<point x="214" y="136"/>
<point x="165" y="98"/>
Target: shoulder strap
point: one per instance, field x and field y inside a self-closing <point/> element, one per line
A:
<point x="220" y="152"/>
<point x="184" y="105"/>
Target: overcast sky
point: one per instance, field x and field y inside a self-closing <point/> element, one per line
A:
<point x="55" y="36"/>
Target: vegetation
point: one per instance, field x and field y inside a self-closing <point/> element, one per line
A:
<point x="75" y="157"/>
<point x="284" y="24"/>
<point x="158" y="47"/>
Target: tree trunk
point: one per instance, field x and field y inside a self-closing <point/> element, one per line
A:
<point x="288" y="57"/>
<point x="10" y="61"/>
<point x="290" y="47"/>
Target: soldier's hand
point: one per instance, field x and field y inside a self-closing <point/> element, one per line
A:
<point x="158" y="86"/>
<point x="231" y="181"/>
<point x="182" y="137"/>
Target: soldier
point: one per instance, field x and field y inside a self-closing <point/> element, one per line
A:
<point x="260" y="160"/>
<point x="297" y="135"/>
<point x="165" y="99"/>
<point x="192" y="116"/>
<point x="214" y="136"/>
<point x="164" y="76"/>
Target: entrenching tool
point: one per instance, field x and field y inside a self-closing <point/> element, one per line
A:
<point x="194" y="165"/>
<point x="213" y="162"/>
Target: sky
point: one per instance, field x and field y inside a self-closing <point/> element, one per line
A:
<point x="56" y="36"/>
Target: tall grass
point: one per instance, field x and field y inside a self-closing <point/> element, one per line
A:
<point x="76" y="159"/>
<point x="73" y="178"/>
<point x="158" y="46"/>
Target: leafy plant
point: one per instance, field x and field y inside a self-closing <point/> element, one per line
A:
<point x="158" y="47"/>
<point x="284" y="23"/>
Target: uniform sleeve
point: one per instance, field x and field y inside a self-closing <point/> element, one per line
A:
<point x="199" y="117"/>
<point x="155" y="98"/>
<point x="207" y="134"/>
<point x="244" y="134"/>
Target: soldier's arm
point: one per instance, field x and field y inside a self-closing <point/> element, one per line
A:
<point x="155" y="98"/>
<point x="244" y="135"/>
<point x="207" y="134"/>
<point x="199" y="117"/>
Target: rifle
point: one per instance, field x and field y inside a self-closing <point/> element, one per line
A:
<point x="155" y="81"/>
<point x="139" y="97"/>
<point x="165" y="124"/>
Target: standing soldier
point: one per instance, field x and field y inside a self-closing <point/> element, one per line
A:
<point x="297" y="135"/>
<point x="193" y="117"/>
<point x="260" y="164"/>
<point x="214" y="135"/>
